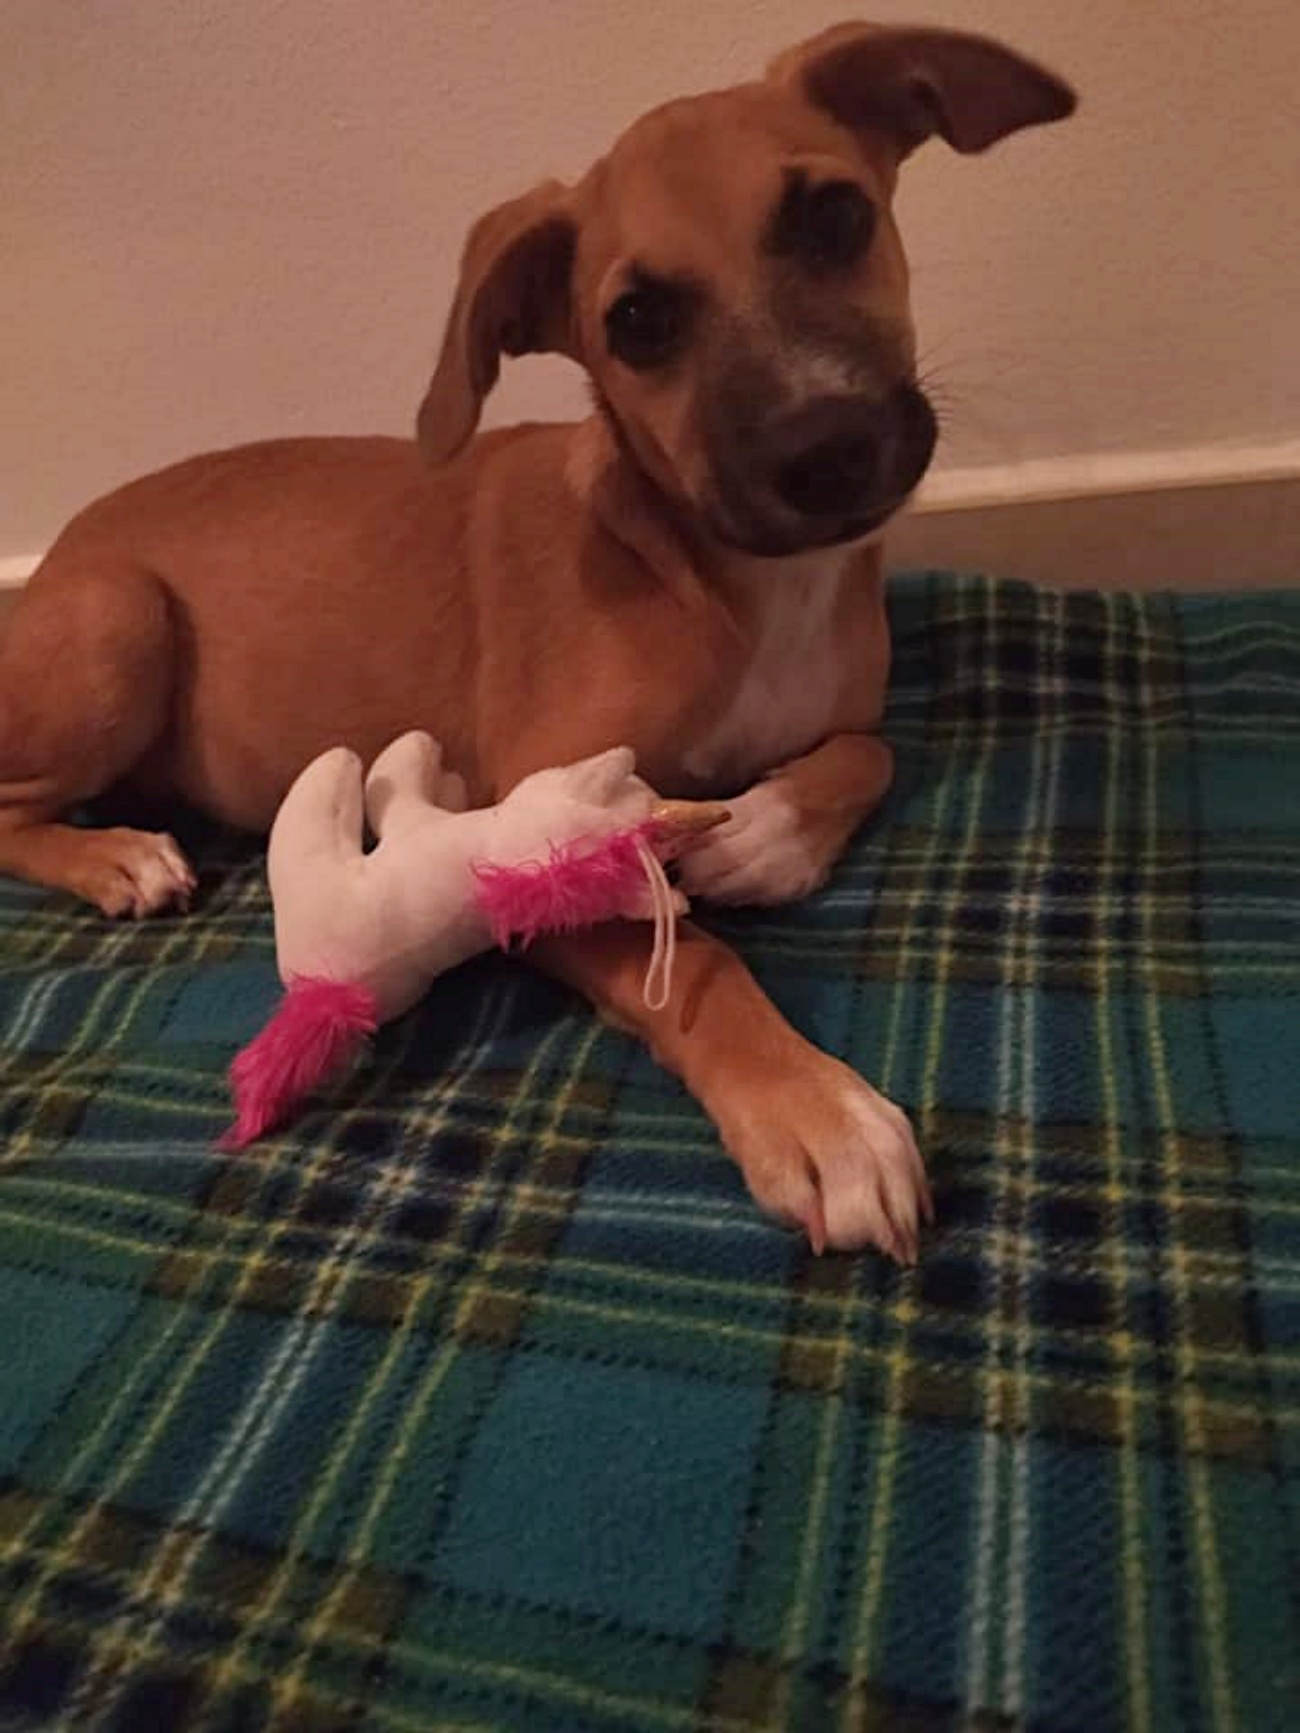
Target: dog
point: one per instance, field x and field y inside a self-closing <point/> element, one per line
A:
<point x="693" y="570"/>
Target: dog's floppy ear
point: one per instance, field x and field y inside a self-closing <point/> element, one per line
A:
<point x="908" y="84"/>
<point x="512" y="299"/>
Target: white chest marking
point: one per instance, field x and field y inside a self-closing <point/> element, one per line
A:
<point x="787" y="696"/>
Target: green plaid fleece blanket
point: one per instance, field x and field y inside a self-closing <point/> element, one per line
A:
<point x="486" y="1400"/>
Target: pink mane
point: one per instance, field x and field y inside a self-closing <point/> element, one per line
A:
<point x="578" y="885"/>
<point x="318" y="1030"/>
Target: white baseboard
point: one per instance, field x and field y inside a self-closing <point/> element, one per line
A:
<point x="1200" y="517"/>
<point x="1086" y="475"/>
<point x="15" y="572"/>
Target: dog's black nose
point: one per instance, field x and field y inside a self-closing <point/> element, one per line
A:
<point x="831" y="476"/>
<point x="842" y="457"/>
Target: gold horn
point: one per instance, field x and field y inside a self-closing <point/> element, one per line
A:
<point x="687" y="820"/>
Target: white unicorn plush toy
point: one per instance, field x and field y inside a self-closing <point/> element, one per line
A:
<point x="361" y="934"/>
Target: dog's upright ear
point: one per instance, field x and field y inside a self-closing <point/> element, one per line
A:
<point x="513" y="298"/>
<point x="905" y="85"/>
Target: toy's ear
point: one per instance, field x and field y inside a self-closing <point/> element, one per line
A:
<point x="906" y="85"/>
<point x="513" y="298"/>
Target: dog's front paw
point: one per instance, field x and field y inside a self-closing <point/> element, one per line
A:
<point x="822" y="1150"/>
<point x="764" y="854"/>
<point x="132" y="872"/>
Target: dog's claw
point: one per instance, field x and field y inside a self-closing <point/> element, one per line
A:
<point x="927" y="1204"/>
<point x="815" y="1222"/>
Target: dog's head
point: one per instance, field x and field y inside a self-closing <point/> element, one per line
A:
<point x="732" y="279"/>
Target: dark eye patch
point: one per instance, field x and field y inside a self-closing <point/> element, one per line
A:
<point x="649" y="323"/>
<point x="825" y="225"/>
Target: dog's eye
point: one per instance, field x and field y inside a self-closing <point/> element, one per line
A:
<point x="829" y="226"/>
<point x="838" y="223"/>
<point x="646" y="326"/>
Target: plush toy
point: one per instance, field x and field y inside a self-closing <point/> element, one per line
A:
<point x="360" y="935"/>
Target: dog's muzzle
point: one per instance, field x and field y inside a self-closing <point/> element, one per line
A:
<point x="831" y="470"/>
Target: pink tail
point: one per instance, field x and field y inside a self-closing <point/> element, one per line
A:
<point x="319" y="1029"/>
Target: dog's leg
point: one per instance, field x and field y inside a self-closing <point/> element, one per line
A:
<point x="85" y="679"/>
<point x="818" y="1147"/>
<point x="786" y="832"/>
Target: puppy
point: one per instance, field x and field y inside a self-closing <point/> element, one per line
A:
<point x="692" y="570"/>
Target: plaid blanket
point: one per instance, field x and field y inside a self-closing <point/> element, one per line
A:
<point x="486" y="1399"/>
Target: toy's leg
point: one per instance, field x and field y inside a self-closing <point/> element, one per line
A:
<point x="786" y="833"/>
<point x="321" y="816"/>
<point x="407" y="779"/>
<point x="817" y="1145"/>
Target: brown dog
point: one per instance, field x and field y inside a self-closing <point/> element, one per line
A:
<point x="692" y="570"/>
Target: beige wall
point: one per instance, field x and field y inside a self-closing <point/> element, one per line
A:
<point x="222" y="219"/>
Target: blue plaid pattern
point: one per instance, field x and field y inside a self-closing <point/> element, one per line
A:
<point x="485" y="1399"/>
